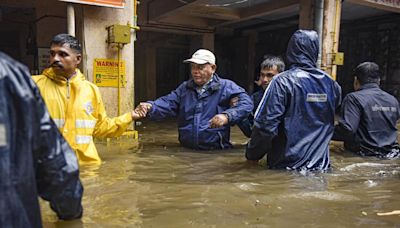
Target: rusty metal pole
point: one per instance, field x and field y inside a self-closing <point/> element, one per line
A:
<point x="336" y="32"/>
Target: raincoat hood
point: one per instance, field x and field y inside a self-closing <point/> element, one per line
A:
<point x="303" y="49"/>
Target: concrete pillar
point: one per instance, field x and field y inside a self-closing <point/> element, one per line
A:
<point x="95" y="21"/>
<point x="208" y="41"/>
<point x="196" y="42"/>
<point x="52" y="20"/>
<point x="91" y="22"/>
<point x="331" y="29"/>
<point x="306" y="20"/>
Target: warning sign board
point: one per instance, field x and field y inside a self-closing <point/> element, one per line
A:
<point x="105" y="72"/>
<point x="43" y="58"/>
<point x="107" y="3"/>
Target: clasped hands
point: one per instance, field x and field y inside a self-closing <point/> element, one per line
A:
<point x="141" y="110"/>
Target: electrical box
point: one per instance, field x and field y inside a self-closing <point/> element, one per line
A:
<point x="338" y="58"/>
<point x="120" y="34"/>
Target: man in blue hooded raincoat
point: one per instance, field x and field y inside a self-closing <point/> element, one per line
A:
<point x="295" y="119"/>
<point x="35" y="160"/>
<point x="202" y="105"/>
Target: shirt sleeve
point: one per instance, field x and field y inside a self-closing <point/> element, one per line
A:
<point x="267" y="119"/>
<point x="272" y="107"/>
<point x="244" y="106"/>
<point x="258" y="145"/>
<point x="349" y="119"/>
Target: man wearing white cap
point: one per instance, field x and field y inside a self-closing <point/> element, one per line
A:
<point x="202" y="105"/>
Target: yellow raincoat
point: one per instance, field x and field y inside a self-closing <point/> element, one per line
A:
<point x="78" y="110"/>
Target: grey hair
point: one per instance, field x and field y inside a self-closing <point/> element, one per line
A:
<point x="271" y="61"/>
<point x="367" y="72"/>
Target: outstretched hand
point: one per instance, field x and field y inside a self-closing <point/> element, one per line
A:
<point x="218" y="120"/>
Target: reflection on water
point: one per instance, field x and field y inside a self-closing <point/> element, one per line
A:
<point x="157" y="183"/>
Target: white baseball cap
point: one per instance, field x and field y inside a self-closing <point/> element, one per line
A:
<point x="201" y="56"/>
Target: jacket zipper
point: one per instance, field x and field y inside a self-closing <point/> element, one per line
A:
<point x="68" y="89"/>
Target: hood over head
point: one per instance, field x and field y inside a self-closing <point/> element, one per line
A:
<point x="302" y="50"/>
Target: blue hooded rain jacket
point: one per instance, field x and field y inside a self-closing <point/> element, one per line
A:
<point x="295" y="119"/>
<point x="194" y="110"/>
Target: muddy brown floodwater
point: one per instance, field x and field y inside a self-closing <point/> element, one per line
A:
<point x="157" y="183"/>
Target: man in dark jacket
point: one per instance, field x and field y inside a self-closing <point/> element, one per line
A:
<point x="368" y="116"/>
<point x="34" y="158"/>
<point x="271" y="66"/>
<point x="295" y="119"/>
<point x="202" y="105"/>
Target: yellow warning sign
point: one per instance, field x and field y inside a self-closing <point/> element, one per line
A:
<point x="105" y="72"/>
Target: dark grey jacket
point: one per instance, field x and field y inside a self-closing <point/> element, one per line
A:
<point x="367" y="121"/>
<point x="34" y="158"/>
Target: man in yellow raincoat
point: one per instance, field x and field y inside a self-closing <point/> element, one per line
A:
<point x="74" y="103"/>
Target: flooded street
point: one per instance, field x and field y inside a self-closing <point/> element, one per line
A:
<point x="157" y="183"/>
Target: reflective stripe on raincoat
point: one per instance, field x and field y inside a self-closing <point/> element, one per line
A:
<point x="78" y="110"/>
<point x="295" y="119"/>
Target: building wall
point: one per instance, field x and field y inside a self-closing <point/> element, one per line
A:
<point x="232" y="58"/>
<point x="17" y="29"/>
<point x="159" y="63"/>
<point x="377" y="40"/>
<point x="91" y="23"/>
<point x="95" y="20"/>
<point x="52" y="21"/>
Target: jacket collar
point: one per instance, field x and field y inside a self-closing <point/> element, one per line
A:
<point x="49" y="72"/>
<point x="215" y="84"/>
<point x="369" y="86"/>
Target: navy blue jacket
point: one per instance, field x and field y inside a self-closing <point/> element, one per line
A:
<point x="194" y="112"/>
<point x="246" y="125"/>
<point x="34" y="157"/>
<point x="368" y="121"/>
<point x="295" y="119"/>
